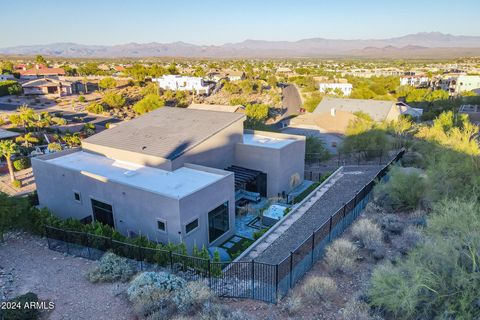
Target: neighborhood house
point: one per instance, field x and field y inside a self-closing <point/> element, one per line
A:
<point x="171" y="175"/>
<point x="184" y="83"/>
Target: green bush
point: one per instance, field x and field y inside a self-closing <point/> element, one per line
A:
<point x="22" y="163"/>
<point x="95" y="108"/>
<point x="259" y="233"/>
<point x="112" y="268"/>
<point x="403" y="191"/>
<point x="315" y="149"/>
<point x="17" y="184"/>
<point x="439" y="279"/>
<point x="21" y="313"/>
<point x="81" y="99"/>
<point x="148" y="103"/>
<point x="305" y="192"/>
<point x="113" y="100"/>
<point x="59" y="121"/>
<point x="54" y="146"/>
<point x="10" y="87"/>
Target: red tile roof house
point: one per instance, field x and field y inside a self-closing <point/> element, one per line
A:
<point x="39" y="71"/>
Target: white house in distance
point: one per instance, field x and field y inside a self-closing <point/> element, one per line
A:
<point x="414" y="80"/>
<point x="459" y="83"/>
<point x="184" y="83"/>
<point x="331" y="87"/>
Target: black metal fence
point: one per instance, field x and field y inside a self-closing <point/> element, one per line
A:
<point x="238" y="279"/>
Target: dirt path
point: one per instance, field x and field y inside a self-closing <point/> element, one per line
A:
<point x="26" y="264"/>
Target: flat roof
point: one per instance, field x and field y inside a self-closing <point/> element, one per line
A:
<point x="264" y="141"/>
<point x="173" y="184"/>
<point x="5" y="134"/>
<point x="166" y="132"/>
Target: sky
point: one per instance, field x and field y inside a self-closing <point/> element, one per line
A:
<point x="214" y="22"/>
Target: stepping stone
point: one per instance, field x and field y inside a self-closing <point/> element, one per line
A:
<point x="228" y="245"/>
<point x="235" y="239"/>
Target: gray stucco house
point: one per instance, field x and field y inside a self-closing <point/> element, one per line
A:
<point x="171" y="175"/>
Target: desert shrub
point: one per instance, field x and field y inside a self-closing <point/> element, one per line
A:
<point x="316" y="288"/>
<point x="191" y="298"/>
<point x="356" y="310"/>
<point x="113" y="100"/>
<point x="152" y="293"/>
<point x="95" y="108"/>
<point x="221" y="312"/>
<point x="107" y="83"/>
<point x="21" y="313"/>
<point x="439" y="278"/>
<point x="59" y="121"/>
<point x="17" y="184"/>
<point x="368" y="233"/>
<point x="392" y="224"/>
<point x="341" y="255"/>
<point x="291" y="304"/>
<point x="112" y="268"/>
<point x="22" y="163"/>
<point x="54" y="146"/>
<point x="81" y="99"/>
<point x="409" y="239"/>
<point x="403" y="191"/>
<point x="259" y="233"/>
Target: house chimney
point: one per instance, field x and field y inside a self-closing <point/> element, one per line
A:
<point x="332" y="112"/>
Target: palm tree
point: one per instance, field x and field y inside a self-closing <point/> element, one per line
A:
<point x="7" y="149"/>
<point x="27" y="115"/>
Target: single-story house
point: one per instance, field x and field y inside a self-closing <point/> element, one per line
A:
<point x="184" y="83"/>
<point x="39" y="71"/>
<point x="49" y="86"/>
<point x="171" y="175"/>
<point x="378" y="110"/>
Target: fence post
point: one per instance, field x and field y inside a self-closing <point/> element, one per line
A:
<point x="65" y="237"/>
<point x="313" y="245"/>
<point x="276" y="282"/>
<point x="48" y="239"/>
<point x="141" y="257"/>
<point x="171" y="261"/>
<point x="380" y="161"/>
<point x="209" y="274"/>
<point x="291" y="269"/>
<point x="330" y="230"/>
<point x="88" y="246"/>
<point x="253" y="279"/>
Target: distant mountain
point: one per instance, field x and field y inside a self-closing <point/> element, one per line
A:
<point x="426" y="45"/>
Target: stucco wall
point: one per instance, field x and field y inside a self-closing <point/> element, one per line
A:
<point x="118" y="154"/>
<point x="199" y="204"/>
<point x="134" y="209"/>
<point x="218" y="151"/>
<point x="280" y="165"/>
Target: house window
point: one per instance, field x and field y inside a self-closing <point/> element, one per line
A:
<point x="162" y="225"/>
<point x="218" y="222"/>
<point x="77" y="196"/>
<point x="191" y="226"/>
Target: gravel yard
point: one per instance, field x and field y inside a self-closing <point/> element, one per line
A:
<point x="26" y="264"/>
<point x="353" y="179"/>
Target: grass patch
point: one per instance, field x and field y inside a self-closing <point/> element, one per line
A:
<point x="306" y="192"/>
<point x="238" y="247"/>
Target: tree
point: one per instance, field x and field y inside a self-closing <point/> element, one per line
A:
<point x="107" y="83"/>
<point x="7" y="149"/>
<point x="27" y="116"/>
<point x="40" y="60"/>
<point x="113" y="100"/>
<point x="148" y="103"/>
<point x="257" y="112"/>
<point x="13" y="213"/>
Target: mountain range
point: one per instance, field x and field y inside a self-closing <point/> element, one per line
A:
<point x="419" y="45"/>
